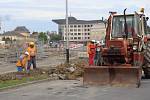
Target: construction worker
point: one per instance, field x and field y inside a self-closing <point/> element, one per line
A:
<point x="97" y="57"/>
<point x="91" y="52"/>
<point x="32" y="58"/>
<point x="22" y="61"/>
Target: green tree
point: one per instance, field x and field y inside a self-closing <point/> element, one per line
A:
<point x="43" y="37"/>
<point x="55" y="37"/>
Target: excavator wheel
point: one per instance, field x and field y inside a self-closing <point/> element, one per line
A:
<point x="146" y="67"/>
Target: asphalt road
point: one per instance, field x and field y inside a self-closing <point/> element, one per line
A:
<point x="73" y="90"/>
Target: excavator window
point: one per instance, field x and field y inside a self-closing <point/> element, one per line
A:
<point x="118" y="26"/>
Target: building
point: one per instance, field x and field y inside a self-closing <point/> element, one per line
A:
<point x="19" y="34"/>
<point x="79" y="30"/>
<point x="98" y="31"/>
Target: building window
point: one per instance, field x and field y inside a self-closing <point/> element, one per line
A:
<point x="71" y="33"/>
<point x="84" y="25"/>
<point x="88" y="33"/>
<point x="88" y="37"/>
<point x="75" y="38"/>
<point x="91" y="25"/>
<point x="88" y="29"/>
<point x="75" y="25"/>
<point x="85" y="33"/>
<point x="79" y="29"/>
<point x="85" y="29"/>
<point x="88" y="25"/>
<point x="71" y="38"/>
<point x="79" y="37"/>
<point x="85" y="37"/>
<point x="71" y="26"/>
<point x="75" y="30"/>
<point x="75" y="33"/>
<point x="79" y="33"/>
<point x="79" y="25"/>
<point x="71" y="30"/>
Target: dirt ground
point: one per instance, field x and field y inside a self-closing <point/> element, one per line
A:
<point x="49" y="58"/>
<point x="46" y="62"/>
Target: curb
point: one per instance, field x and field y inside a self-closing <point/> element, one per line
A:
<point x="23" y="84"/>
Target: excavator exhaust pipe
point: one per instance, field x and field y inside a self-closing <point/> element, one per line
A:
<point x="113" y="76"/>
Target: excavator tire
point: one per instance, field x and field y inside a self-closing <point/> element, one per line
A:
<point x="146" y="67"/>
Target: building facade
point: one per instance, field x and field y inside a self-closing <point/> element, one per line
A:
<point x="98" y="32"/>
<point x="79" y="30"/>
<point x="19" y="34"/>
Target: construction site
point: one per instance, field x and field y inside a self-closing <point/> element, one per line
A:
<point x="107" y="59"/>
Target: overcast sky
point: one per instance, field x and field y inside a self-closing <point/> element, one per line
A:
<point x="36" y="15"/>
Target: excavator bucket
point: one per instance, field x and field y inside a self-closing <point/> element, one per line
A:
<point x="111" y="75"/>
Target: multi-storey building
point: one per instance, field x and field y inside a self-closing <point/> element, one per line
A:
<point x="98" y="32"/>
<point x="79" y="30"/>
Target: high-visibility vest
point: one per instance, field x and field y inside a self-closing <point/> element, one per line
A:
<point x="91" y="49"/>
<point x="32" y="52"/>
<point x="22" y="61"/>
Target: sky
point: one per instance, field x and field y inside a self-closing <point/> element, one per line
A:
<point x="37" y="15"/>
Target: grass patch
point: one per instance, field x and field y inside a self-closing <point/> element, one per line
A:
<point x="8" y="83"/>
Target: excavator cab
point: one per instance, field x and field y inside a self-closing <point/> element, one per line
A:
<point x="122" y="56"/>
<point x="118" y="26"/>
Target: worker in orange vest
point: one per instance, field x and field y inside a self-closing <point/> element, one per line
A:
<point x="22" y="61"/>
<point x="91" y="52"/>
<point x="32" y="58"/>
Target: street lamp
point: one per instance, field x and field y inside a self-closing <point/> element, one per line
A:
<point x="67" y="35"/>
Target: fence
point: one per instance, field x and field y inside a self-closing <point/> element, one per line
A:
<point x="11" y="54"/>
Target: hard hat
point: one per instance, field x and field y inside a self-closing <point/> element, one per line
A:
<point x="31" y="43"/>
<point x="97" y="42"/>
<point x="26" y="53"/>
<point x="142" y="10"/>
<point x="93" y="41"/>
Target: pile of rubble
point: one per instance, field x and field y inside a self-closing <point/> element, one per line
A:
<point x="67" y="71"/>
<point x="63" y="72"/>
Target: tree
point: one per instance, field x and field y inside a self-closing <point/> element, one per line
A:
<point x="42" y="37"/>
<point x="55" y="37"/>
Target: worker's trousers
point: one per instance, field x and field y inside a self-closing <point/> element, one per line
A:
<point x="30" y="62"/>
<point x="91" y="59"/>
<point x="98" y="58"/>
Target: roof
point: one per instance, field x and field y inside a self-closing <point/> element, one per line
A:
<point x="118" y="15"/>
<point x="34" y="35"/>
<point x="18" y="31"/>
<point x="73" y="20"/>
<point x="21" y="29"/>
<point x="11" y="33"/>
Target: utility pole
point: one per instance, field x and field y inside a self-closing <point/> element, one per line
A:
<point x="67" y="35"/>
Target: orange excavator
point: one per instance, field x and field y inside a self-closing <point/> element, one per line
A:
<point x="126" y="52"/>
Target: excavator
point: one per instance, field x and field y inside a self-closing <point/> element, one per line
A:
<point x="126" y="52"/>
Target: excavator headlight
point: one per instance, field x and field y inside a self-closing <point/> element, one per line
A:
<point x="135" y="47"/>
